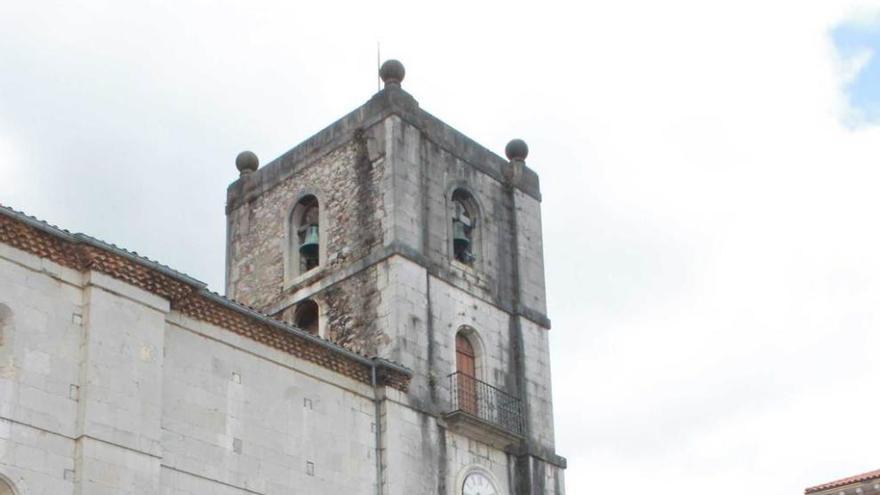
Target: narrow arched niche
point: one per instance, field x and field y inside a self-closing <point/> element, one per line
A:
<point x="5" y="326"/>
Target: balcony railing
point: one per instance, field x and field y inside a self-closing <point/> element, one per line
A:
<point x="483" y="401"/>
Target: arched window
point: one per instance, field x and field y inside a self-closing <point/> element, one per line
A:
<point x="305" y="236"/>
<point x="465" y="241"/>
<point x="6" y="486"/>
<point x="6" y="355"/>
<point x="5" y="326"/>
<point x="306" y="316"/>
<point x="466" y="373"/>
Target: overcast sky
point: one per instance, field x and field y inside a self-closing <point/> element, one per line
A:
<point x="709" y="171"/>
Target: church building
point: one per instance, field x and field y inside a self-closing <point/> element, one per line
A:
<point x="384" y="332"/>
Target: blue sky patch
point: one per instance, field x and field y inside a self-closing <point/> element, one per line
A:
<point x="852" y="40"/>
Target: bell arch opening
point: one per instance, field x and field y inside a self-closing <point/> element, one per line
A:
<point x="465" y="227"/>
<point x="304" y="249"/>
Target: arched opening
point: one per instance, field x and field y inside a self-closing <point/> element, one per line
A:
<point x="5" y="325"/>
<point x="6" y="487"/>
<point x="7" y="334"/>
<point x="305" y="236"/>
<point x="308" y="233"/>
<point x="306" y="316"/>
<point x="466" y="374"/>
<point x="464" y="227"/>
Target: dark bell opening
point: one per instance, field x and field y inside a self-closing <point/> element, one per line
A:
<point x="306" y="317"/>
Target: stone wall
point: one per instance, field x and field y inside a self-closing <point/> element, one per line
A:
<point x="536" y="349"/>
<point x="350" y="313"/>
<point x="106" y="390"/>
<point x="421" y="315"/>
<point x="425" y="175"/>
<point x="260" y="422"/>
<point x="39" y="372"/>
<point x="346" y="182"/>
<point x="425" y="457"/>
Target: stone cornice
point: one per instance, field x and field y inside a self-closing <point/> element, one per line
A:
<point x="322" y="280"/>
<point x="387" y="102"/>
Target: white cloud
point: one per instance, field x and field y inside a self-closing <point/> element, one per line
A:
<point x="852" y="65"/>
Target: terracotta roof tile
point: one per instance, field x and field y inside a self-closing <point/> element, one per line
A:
<point x="188" y="295"/>
<point x="870" y="475"/>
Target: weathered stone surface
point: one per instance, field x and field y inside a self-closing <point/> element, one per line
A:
<point x="347" y="184"/>
<point x="344" y="181"/>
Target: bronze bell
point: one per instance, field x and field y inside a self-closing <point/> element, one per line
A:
<point x="310" y="243"/>
<point x="460" y="240"/>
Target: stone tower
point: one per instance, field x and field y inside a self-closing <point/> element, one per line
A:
<point x="394" y="235"/>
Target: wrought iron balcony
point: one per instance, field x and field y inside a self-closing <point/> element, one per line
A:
<point x="482" y="408"/>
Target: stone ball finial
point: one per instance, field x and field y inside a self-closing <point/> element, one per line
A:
<point x="247" y="162"/>
<point x="392" y="72"/>
<point x="516" y="149"/>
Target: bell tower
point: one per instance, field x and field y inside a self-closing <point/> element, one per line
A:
<point x="393" y="234"/>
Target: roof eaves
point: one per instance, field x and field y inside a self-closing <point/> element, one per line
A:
<point x="253" y="313"/>
<point x="870" y="475"/>
<point x="77" y="238"/>
<point x="200" y="288"/>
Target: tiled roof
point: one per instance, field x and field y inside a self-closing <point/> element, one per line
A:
<point x="870" y="475"/>
<point x="188" y="295"/>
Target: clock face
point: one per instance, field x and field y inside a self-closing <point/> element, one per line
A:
<point x="478" y="484"/>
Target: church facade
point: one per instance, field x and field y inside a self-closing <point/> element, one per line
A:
<point x="384" y="331"/>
